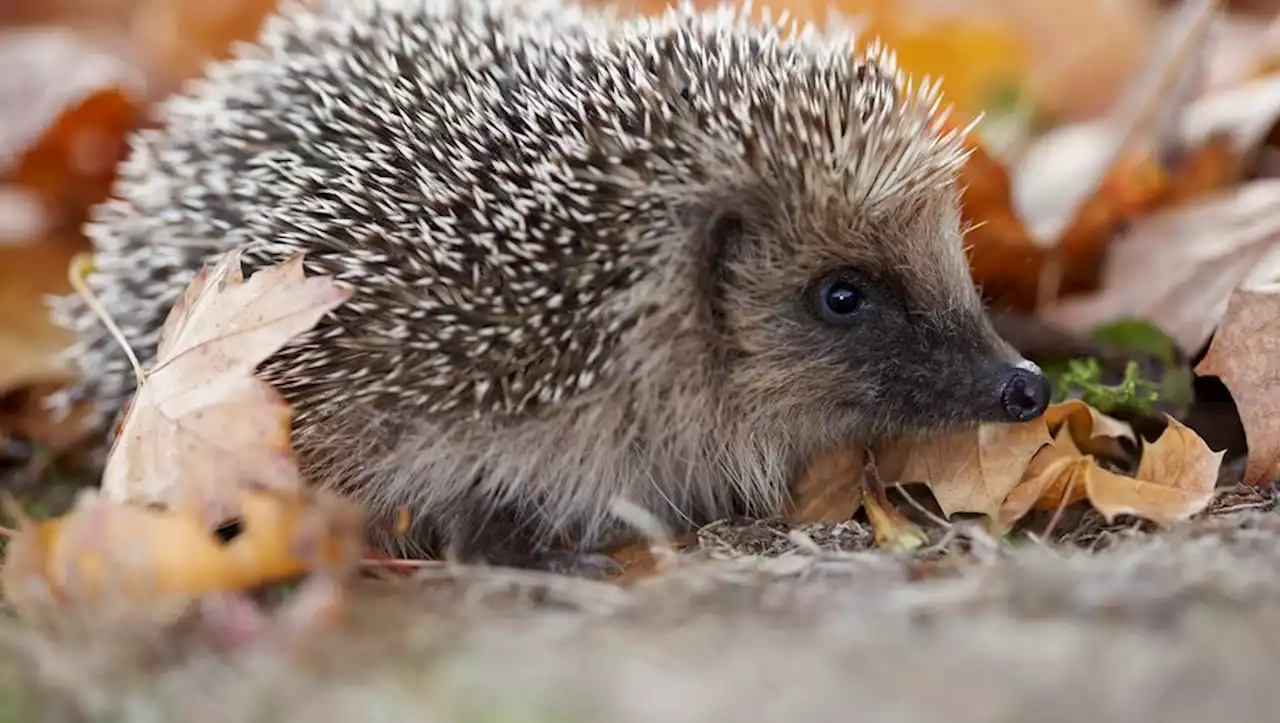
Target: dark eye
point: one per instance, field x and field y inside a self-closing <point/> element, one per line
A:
<point x="838" y="298"/>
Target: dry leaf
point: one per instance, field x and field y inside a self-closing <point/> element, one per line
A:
<point x="645" y="558"/>
<point x="831" y="488"/>
<point x="1052" y="475"/>
<point x="1175" y="479"/>
<point x="1245" y="354"/>
<point x="103" y="551"/>
<point x="202" y="424"/>
<point x="62" y="72"/>
<point x="1177" y="269"/>
<point x="1004" y="259"/>
<point x="1089" y="430"/>
<point x="30" y="343"/>
<point x="892" y="530"/>
<point x="972" y="470"/>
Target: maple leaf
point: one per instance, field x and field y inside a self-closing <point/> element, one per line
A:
<point x="1175" y="479"/>
<point x="1088" y="429"/>
<point x="201" y="424"/>
<point x="1243" y="355"/>
<point x="970" y="470"/>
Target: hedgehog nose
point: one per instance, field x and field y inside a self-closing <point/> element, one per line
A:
<point x="1024" y="392"/>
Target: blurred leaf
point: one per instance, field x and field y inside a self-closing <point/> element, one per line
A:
<point x="1245" y="355"/>
<point x="71" y="96"/>
<point x="1176" y="269"/>
<point x="103" y="552"/>
<point x="29" y="341"/>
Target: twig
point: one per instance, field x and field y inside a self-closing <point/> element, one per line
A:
<point x="1062" y="505"/>
<point x="944" y="524"/>
<point x="79" y="267"/>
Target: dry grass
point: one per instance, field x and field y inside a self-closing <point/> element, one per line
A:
<point x="1181" y="625"/>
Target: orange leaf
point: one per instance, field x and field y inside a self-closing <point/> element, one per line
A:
<point x="831" y="488"/>
<point x="1052" y="475"/>
<point x="104" y="551"/>
<point x="891" y="528"/>
<point x="1088" y="429"/>
<point x="1004" y="259"/>
<point x="971" y="470"/>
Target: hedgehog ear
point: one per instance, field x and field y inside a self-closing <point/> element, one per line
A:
<point x="721" y="232"/>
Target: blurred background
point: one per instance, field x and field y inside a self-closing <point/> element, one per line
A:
<point x="1106" y="124"/>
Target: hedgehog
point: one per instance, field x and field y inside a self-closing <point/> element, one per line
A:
<point x="664" y="259"/>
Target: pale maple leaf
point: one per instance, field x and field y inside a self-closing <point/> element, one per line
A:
<point x="1243" y="355"/>
<point x="201" y="424"/>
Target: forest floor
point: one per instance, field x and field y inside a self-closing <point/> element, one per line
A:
<point x="1102" y="623"/>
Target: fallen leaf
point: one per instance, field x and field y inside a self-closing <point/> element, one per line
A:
<point x="1090" y="431"/>
<point x="201" y="424"/>
<point x="1175" y="479"/>
<point x="971" y="470"/>
<point x="74" y="163"/>
<point x="892" y="530"/>
<point x="178" y="37"/>
<point x="643" y="559"/>
<point x="103" y="551"/>
<point x="831" y="488"/>
<point x="62" y="73"/>
<point x="1051" y="479"/>
<point x="1244" y="354"/>
<point x="30" y="343"/>
<point x="1004" y="259"/>
<point x="1176" y="269"/>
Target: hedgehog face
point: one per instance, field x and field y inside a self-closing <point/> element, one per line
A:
<point x="865" y="323"/>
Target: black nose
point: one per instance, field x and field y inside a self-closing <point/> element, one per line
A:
<point x="1024" y="393"/>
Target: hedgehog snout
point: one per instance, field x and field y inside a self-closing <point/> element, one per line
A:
<point x="1024" y="391"/>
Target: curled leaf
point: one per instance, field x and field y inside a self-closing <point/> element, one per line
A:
<point x="892" y="530"/>
<point x="1175" y="479"/>
<point x="1091" y="431"/>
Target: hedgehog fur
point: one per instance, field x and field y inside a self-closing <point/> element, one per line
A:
<point x="666" y="259"/>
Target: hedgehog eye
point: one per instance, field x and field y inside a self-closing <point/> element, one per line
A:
<point x="838" y="297"/>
